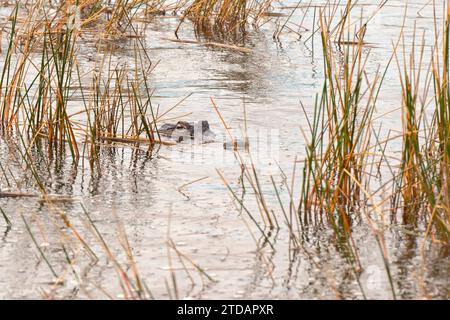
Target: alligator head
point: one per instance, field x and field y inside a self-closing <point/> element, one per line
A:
<point x="183" y="130"/>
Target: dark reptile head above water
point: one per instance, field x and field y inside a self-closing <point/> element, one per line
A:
<point x="183" y="130"/>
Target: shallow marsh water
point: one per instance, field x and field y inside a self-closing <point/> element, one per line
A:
<point x="143" y="192"/>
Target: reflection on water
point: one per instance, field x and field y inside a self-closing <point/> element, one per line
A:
<point x="142" y="189"/>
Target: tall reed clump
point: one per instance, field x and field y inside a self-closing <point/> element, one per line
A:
<point x="425" y="165"/>
<point x="224" y="16"/>
<point x="440" y="204"/>
<point x="422" y="190"/>
<point x="41" y="76"/>
<point x="408" y="181"/>
<point x="339" y="159"/>
<point x="121" y="109"/>
<point x="11" y="78"/>
<point x="338" y="149"/>
<point x="34" y="97"/>
<point x="60" y="67"/>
